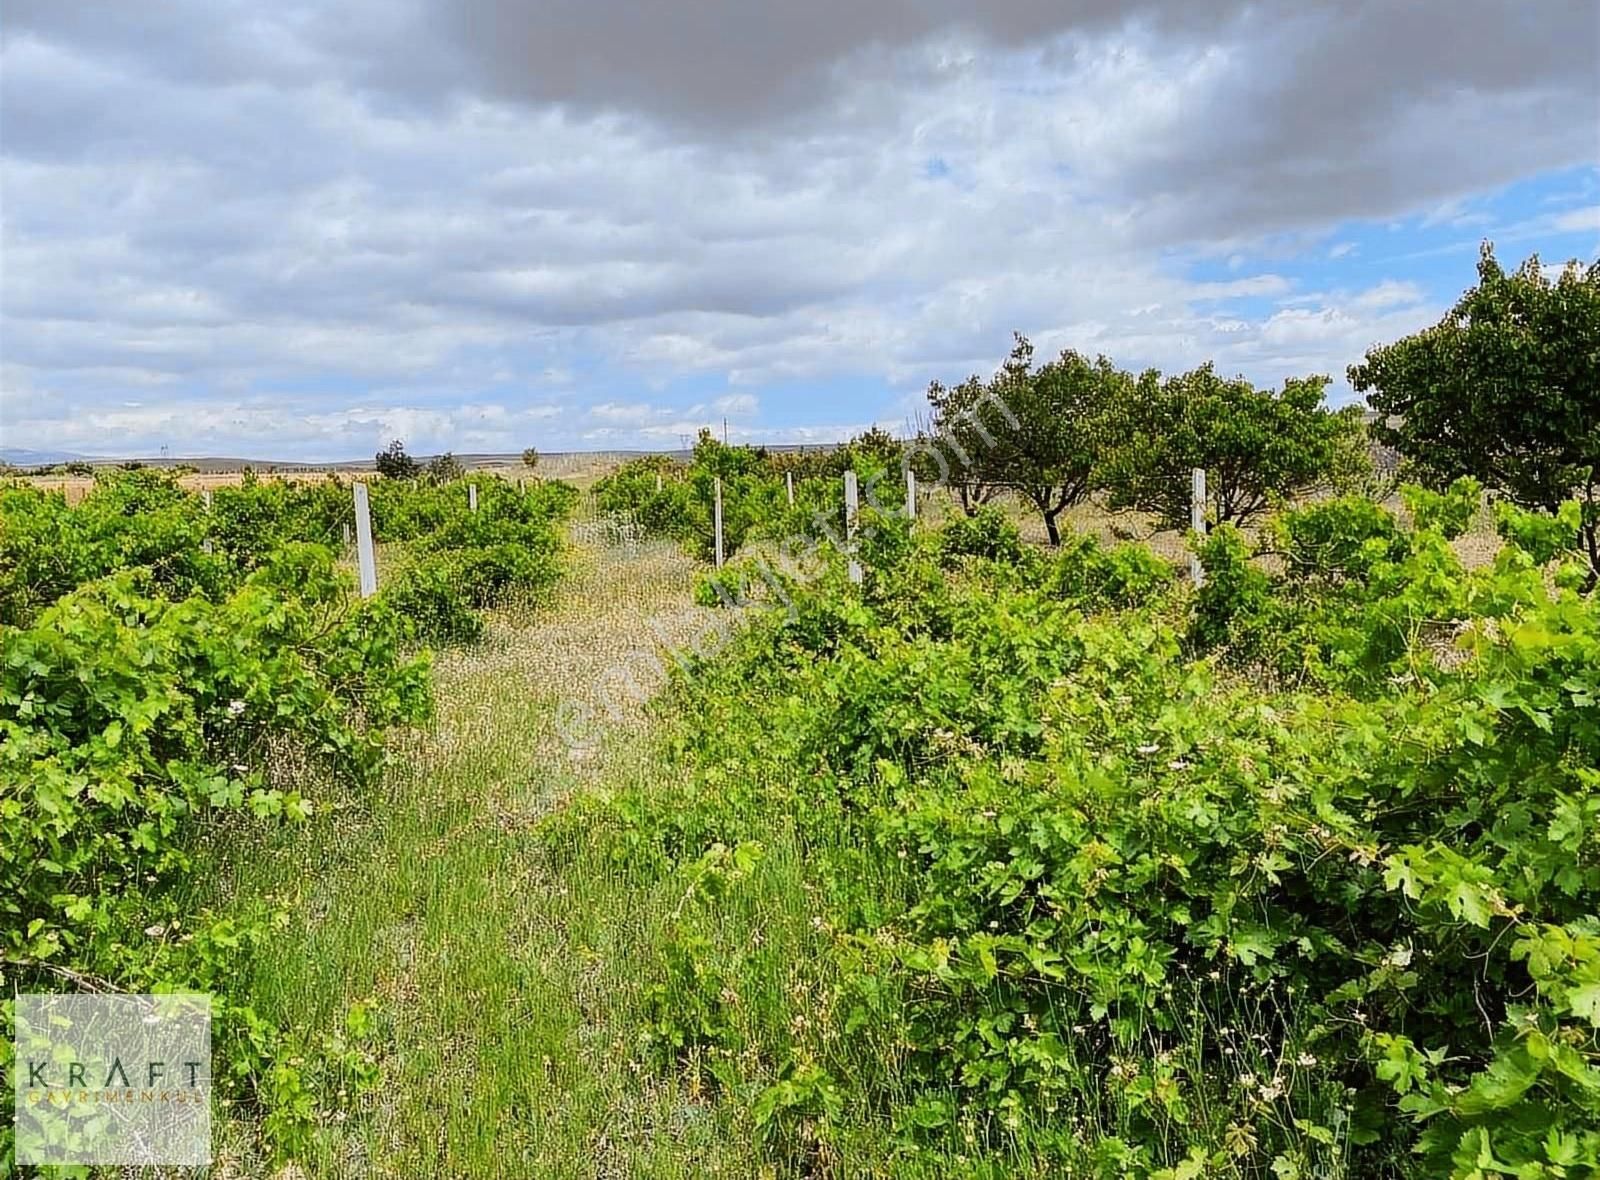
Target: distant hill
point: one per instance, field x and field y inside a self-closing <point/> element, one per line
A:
<point x="550" y="462"/>
<point x="22" y="457"/>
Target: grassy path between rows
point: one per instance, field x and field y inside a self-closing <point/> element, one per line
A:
<point x="507" y="991"/>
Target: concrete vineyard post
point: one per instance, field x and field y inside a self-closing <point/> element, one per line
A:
<point x="366" y="564"/>
<point x="346" y="537"/>
<point x="658" y="482"/>
<point x="851" y="504"/>
<point x="472" y="497"/>
<point x="717" y="510"/>
<point x="205" y="498"/>
<point x="788" y="479"/>
<point x="911" y="495"/>
<point x="1197" y="519"/>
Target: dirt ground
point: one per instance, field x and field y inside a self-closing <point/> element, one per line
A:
<point x="580" y="469"/>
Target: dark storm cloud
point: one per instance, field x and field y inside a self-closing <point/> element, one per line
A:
<point x="1350" y="110"/>
<point x="726" y="63"/>
<point x="1325" y="109"/>
<point x="1318" y="109"/>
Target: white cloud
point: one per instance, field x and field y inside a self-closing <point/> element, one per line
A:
<point x="314" y="228"/>
<point x="634" y="413"/>
<point x="1388" y="293"/>
<point x="1579" y="220"/>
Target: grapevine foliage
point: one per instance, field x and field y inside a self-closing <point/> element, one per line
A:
<point x="1293" y="876"/>
<point x="177" y="673"/>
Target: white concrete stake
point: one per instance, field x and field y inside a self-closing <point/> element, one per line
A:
<point x="850" y="506"/>
<point x="472" y="497"/>
<point x="911" y="495"/>
<point x="206" y="496"/>
<point x="347" y="536"/>
<point x="365" y="562"/>
<point x="718" y="511"/>
<point x="658" y="481"/>
<point x="788" y="479"/>
<point x="1197" y="519"/>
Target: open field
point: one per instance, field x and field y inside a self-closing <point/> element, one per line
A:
<point x="565" y="855"/>
<point x="578" y="467"/>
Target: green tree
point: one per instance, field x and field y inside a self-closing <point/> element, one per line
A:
<point x="1039" y="431"/>
<point x="1255" y="445"/>
<point x="948" y="450"/>
<point x="393" y="462"/>
<point x="1505" y="388"/>
<point x="445" y="468"/>
<point x="530" y="458"/>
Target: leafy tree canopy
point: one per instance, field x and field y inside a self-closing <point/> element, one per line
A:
<point x="1037" y="430"/>
<point x="393" y="462"/>
<point x="1505" y="388"/>
<point x="1255" y="445"/>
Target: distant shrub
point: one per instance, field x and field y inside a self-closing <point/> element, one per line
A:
<point x="1095" y="577"/>
<point x="632" y="489"/>
<point x="550" y="499"/>
<point x="248" y="521"/>
<point x="393" y="463"/>
<point x="138" y="519"/>
<point x="444" y="468"/>
<point x="434" y="603"/>
<point x="986" y="534"/>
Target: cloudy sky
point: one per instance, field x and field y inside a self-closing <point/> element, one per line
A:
<point x="296" y="230"/>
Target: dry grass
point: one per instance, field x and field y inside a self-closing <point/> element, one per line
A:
<point x="579" y="468"/>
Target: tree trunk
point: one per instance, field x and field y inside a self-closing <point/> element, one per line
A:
<point x="1050" y="526"/>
